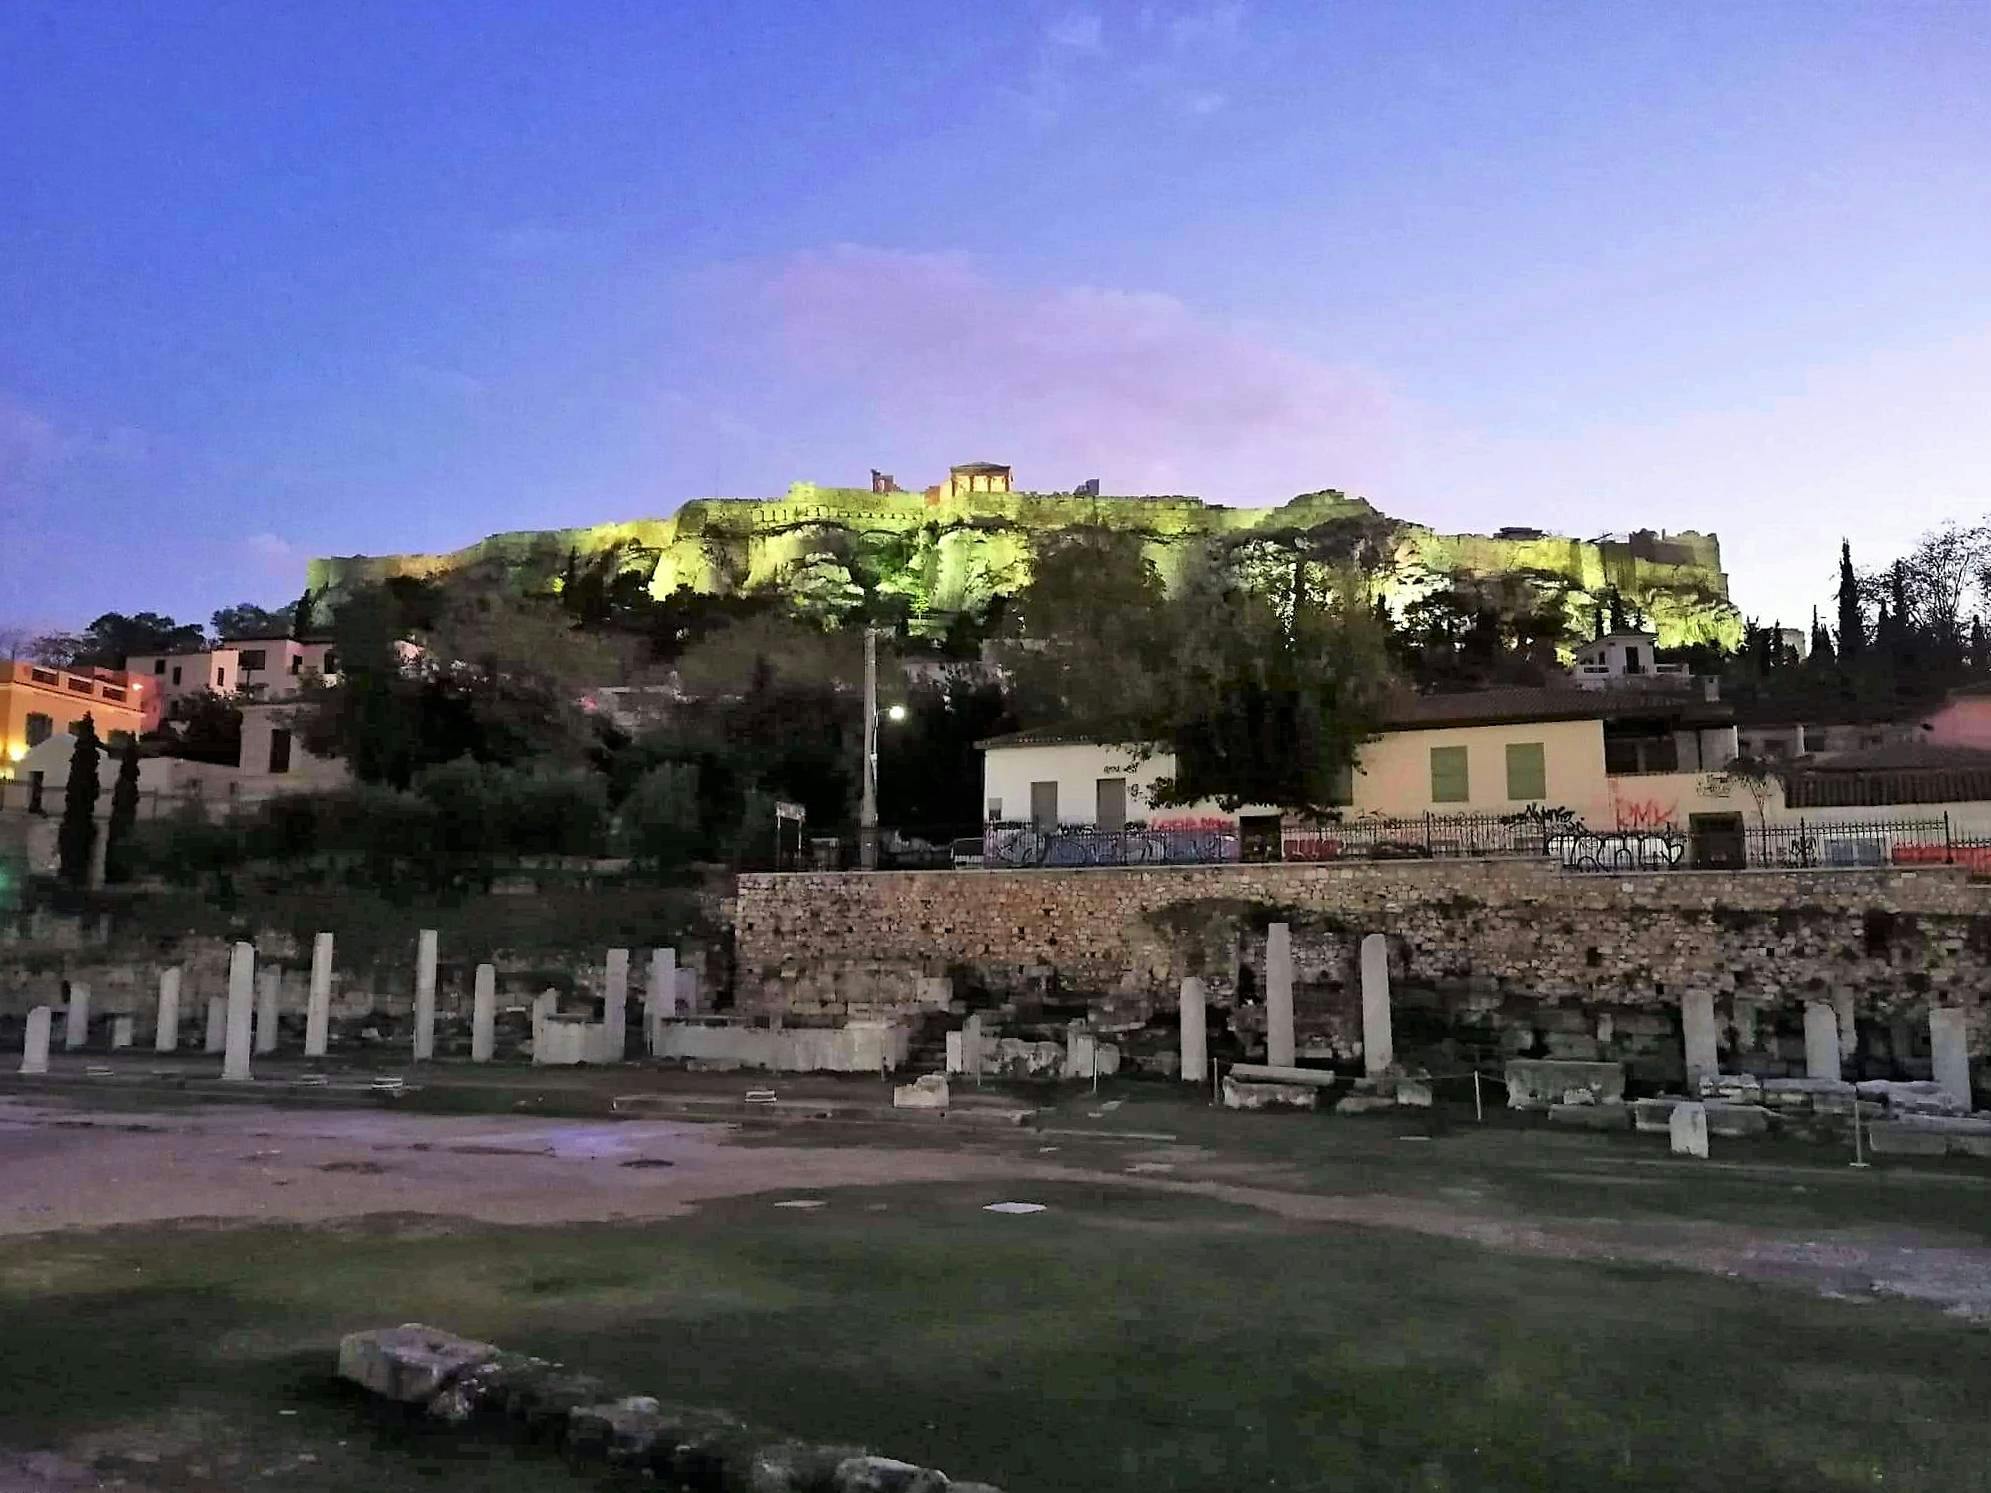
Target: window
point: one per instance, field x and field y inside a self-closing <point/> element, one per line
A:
<point x="995" y="811"/>
<point x="296" y="663"/>
<point x="1044" y="806"/>
<point x="279" y="751"/>
<point x="251" y="660"/>
<point x="176" y="673"/>
<point x="1449" y="782"/>
<point x="1814" y="738"/>
<point x="159" y="666"/>
<point x="331" y="662"/>
<point x="40" y="728"/>
<point x="1634" y="662"/>
<point x="1527" y="771"/>
<point x="221" y="679"/>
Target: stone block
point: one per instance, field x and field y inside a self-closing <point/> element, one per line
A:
<point x="624" y="1432"/>
<point x="1362" y="1104"/>
<point x="1732" y="1120"/>
<point x="1897" y="1138"/>
<point x="1732" y="1088"/>
<point x="885" y="1475"/>
<point x="1655" y="1116"/>
<point x="1413" y="1092"/>
<point x="1590" y="1116"/>
<point x="1540" y="1083"/>
<point x="1688" y="1128"/>
<point x="1823" y="1095"/>
<point x="1244" y="1094"/>
<point x="410" y="1363"/>
<point x="926" y="1092"/>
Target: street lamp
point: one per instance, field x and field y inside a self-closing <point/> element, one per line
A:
<point x="867" y="812"/>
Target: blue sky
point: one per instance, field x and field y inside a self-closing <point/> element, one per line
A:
<point x="290" y="279"/>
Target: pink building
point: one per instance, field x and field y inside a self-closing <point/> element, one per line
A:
<point x="1962" y="720"/>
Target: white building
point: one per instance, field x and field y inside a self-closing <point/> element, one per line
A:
<point x="1622" y="658"/>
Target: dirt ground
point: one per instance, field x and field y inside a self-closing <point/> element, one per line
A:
<point x="65" y="1167"/>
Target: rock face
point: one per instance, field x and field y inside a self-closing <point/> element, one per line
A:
<point x="410" y="1363"/>
<point x="949" y="552"/>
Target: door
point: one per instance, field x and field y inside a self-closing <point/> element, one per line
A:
<point x="1110" y="797"/>
<point x="1717" y="842"/>
<point x="279" y="751"/>
<point x="1044" y="807"/>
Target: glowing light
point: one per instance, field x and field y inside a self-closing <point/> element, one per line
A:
<point x="17" y="751"/>
<point x="896" y="713"/>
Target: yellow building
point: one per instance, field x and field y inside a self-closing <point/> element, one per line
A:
<point x="38" y="702"/>
<point x="1609" y="758"/>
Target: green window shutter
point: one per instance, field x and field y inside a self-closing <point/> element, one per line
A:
<point x="1527" y="771"/>
<point x="1344" y="785"/>
<point x="1449" y="783"/>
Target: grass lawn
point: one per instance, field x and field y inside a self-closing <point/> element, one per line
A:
<point x="1121" y="1341"/>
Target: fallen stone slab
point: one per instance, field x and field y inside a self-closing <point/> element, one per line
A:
<point x="929" y="1092"/>
<point x="1413" y="1093"/>
<point x="1821" y="1095"/>
<point x="1732" y="1088"/>
<point x="1363" y="1104"/>
<point x="1591" y="1116"/>
<point x="1541" y="1083"/>
<point x="410" y="1363"/>
<point x="1268" y="1073"/>
<point x="463" y="1380"/>
<point x="1239" y="1094"/>
<point x="1733" y="1120"/>
<point x="1921" y="1097"/>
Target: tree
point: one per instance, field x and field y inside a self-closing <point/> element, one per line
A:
<point x="1852" y="609"/>
<point x="78" y="830"/>
<point x="1933" y="579"/>
<point x="205" y="727"/>
<point x="114" y="637"/>
<point x="304" y="613"/>
<point x="929" y="771"/>
<point x="661" y="820"/>
<point x="1980" y="649"/>
<point x="1821" y="643"/>
<point x="247" y="620"/>
<point x="124" y="817"/>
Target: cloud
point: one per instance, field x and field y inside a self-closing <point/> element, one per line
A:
<point x="274" y="556"/>
<point x="1081" y="31"/>
<point x="446" y="383"/>
<point x="1136" y="388"/>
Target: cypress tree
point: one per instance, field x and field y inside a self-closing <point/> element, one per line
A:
<point x="1852" y="619"/>
<point x="124" y="817"/>
<point x="78" y="830"/>
<point x="1821" y="642"/>
<point x="1979" y="663"/>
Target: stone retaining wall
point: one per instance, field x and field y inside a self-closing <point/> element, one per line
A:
<point x="1516" y="954"/>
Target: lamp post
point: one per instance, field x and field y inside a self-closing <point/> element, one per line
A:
<point x="867" y="811"/>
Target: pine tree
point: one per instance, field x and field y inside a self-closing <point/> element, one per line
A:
<point x="1852" y="618"/>
<point x="124" y="817"/>
<point x="78" y="830"/>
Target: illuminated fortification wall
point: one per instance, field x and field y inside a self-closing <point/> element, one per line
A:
<point x="949" y="552"/>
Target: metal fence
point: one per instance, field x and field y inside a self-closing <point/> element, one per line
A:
<point x="1870" y="842"/>
<point x="1012" y="846"/>
<point x="1427" y="836"/>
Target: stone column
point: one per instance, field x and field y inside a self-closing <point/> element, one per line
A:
<point x="1821" y="1040"/>
<point x="269" y="987"/>
<point x="1849" y="1032"/>
<point x="166" y="1032"/>
<point x="318" y="1008"/>
<point x="1195" y="1032"/>
<point x="122" y="1028"/>
<point x="34" y="1055"/>
<point x="1697" y="1021"/>
<point x="483" y="1013"/>
<point x="1378" y="1035"/>
<point x="425" y="996"/>
<point x="971" y="1046"/>
<point x="615" y="1004"/>
<point x="216" y="1039"/>
<point x="1279" y="995"/>
<point x="1081" y="1051"/>
<point x="76" y="1026"/>
<point x="544" y="1005"/>
<point x="241" y="1012"/>
<point x="659" y="996"/>
<point x="1744" y="1022"/>
<point x="1949" y="1040"/>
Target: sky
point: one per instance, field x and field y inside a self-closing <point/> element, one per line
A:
<point x="284" y="279"/>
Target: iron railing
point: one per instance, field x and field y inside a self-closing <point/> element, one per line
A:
<point x="1869" y="842"/>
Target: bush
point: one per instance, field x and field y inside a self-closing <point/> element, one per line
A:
<point x="660" y="818"/>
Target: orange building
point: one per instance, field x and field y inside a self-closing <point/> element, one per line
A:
<point x="37" y="702"/>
